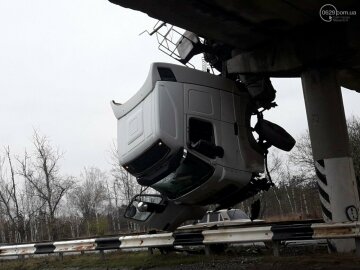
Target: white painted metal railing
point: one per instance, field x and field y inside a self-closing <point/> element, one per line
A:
<point x="238" y="234"/>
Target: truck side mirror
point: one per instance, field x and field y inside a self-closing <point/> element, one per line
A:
<point x="274" y="135"/>
<point x="142" y="206"/>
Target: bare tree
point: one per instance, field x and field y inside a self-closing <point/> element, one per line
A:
<point x="354" y="136"/>
<point x="124" y="183"/>
<point x="9" y="196"/>
<point x="302" y="157"/>
<point x="89" y="195"/>
<point x="294" y="195"/>
<point x="276" y="163"/>
<point x="42" y="172"/>
<point x="34" y="206"/>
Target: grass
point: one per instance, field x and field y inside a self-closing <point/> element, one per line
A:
<point x="113" y="260"/>
<point x="142" y="260"/>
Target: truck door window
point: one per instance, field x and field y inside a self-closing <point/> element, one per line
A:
<point x="200" y="130"/>
<point x="202" y="139"/>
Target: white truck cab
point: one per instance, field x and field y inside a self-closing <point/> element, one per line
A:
<point x="187" y="134"/>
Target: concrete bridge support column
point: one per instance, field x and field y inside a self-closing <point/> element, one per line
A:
<point x="331" y="150"/>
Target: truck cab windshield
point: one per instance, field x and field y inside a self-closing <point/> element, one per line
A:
<point x="191" y="173"/>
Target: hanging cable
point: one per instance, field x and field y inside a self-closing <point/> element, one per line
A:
<point x="143" y="190"/>
<point x="267" y="169"/>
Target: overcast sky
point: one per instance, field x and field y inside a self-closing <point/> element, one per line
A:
<point x="61" y="62"/>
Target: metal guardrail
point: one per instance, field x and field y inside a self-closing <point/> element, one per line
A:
<point x="240" y="234"/>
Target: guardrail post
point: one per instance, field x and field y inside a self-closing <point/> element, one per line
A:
<point x="21" y="257"/>
<point x="276" y="248"/>
<point x="357" y="246"/>
<point x="102" y="254"/>
<point x="207" y="250"/>
<point x="61" y="256"/>
<point x="150" y="250"/>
